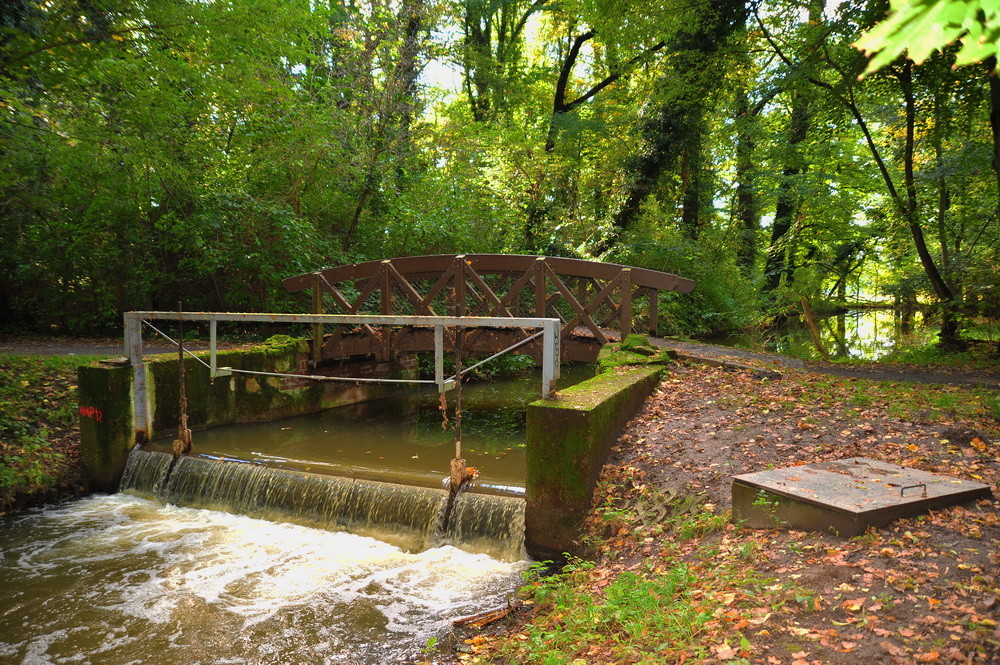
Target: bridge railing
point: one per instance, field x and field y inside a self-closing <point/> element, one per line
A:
<point x="550" y="340"/>
<point x="588" y="297"/>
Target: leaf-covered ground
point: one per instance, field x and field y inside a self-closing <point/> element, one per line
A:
<point x="39" y="435"/>
<point x="923" y="589"/>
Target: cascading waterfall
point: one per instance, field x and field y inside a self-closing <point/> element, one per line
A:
<point x="486" y="523"/>
<point x="406" y="516"/>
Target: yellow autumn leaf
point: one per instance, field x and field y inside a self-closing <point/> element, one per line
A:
<point x="853" y="605"/>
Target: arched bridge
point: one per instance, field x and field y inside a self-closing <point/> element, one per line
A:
<point x="595" y="301"/>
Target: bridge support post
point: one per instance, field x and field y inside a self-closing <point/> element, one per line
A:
<point x="626" y="306"/>
<point x="654" y="311"/>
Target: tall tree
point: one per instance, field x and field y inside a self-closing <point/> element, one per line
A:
<point x="678" y="112"/>
<point x="492" y="49"/>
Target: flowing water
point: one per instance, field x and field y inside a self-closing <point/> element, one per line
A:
<point x="121" y="579"/>
<point x="406" y="516"/>
<point x="213" y="561"/>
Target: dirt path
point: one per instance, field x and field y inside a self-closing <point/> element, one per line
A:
<point x="921" y="589"/>
<point x="94" y="346"/>
<point x="734" y="358"/>
<point x="888" y="372"/>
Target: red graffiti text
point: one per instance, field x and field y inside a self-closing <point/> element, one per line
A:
<point x="92" y="412"/>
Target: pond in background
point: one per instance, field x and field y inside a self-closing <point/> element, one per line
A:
<point x="863" y="334"/>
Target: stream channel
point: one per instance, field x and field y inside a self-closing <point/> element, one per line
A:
<point x="137" y="577"/>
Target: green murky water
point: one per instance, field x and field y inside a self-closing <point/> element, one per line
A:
<point x="398" y="439"/>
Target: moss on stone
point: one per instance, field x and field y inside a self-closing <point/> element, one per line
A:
<point x="633" y="350"/>
<point x="568" y="440"/>
<point x="638" y="344"/>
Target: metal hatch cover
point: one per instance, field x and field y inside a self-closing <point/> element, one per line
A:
<point x="844" y="496"/>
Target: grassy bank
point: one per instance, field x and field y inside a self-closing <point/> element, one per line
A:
<point x="39" y="441"/>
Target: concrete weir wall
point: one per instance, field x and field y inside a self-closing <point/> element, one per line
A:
<point x="568" y="441"/>
<point x="107" y="418"/>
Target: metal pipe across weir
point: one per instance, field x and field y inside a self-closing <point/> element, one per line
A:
<point x="133" y="343"/>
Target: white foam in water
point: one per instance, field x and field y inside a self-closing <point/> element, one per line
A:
<point x="120" y="579"/>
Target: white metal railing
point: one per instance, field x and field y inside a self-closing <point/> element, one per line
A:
<point x="550" y="333"/>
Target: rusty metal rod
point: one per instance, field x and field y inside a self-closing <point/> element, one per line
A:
<point x="500" y="353"/>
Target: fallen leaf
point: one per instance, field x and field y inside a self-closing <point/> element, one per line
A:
<point x="724" y="651"/>
<point x="853" y="605"/>
<point x="891" y="648"/>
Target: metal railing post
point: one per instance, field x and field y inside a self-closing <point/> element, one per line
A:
<point x="439" y="357"/>
<point x="550" y="357"/>
<point x="140" y="401"/>
<point x="213" y="328"/>
<point x="317" y="328"/>
<point x="213" y="367"/>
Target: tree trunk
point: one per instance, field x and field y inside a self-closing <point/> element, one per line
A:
<point x="994" y="84"/>
<point x="949" y="307"/>
<point x="747" y="221"/>
<point x="684" y="84"/>
<point x="692" y="188"/>
<point x="788" y="202"/>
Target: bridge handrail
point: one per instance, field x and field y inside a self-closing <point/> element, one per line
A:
<point x="494" y="263"/>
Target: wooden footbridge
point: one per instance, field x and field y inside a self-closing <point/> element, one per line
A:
<point x="594" y="301"/>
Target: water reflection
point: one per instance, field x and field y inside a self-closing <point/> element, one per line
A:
<point x="868" y="334"/>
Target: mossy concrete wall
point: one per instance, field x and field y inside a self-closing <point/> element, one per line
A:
<point x="107" y="420"/>
<point x="568" y="441"/>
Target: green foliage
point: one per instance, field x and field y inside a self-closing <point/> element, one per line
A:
<point x="164" y="151"/>
<point x="649" y="615"/>
<point x="723" y="300"/>
<point x="920" y="27"/>
<point x="502" y="367"/>
<point x="979" y="356"/>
